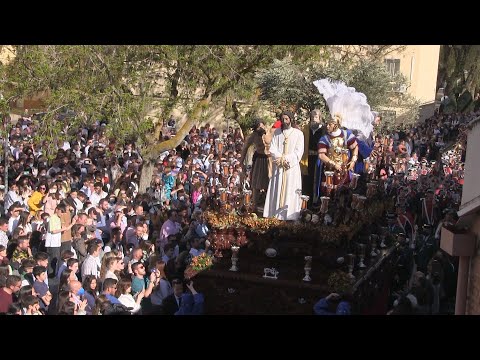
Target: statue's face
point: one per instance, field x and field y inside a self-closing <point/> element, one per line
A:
<point x="331" y="127"/>
<point x="286" y="122"/>
<point x="316" y="118"/>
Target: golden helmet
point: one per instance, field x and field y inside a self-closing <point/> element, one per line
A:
<point x="335" y="118"/>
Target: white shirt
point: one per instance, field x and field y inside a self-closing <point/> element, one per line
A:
<point x="164" y="155"/>
<point x="53" y="240"/>
<point x="95" y="198"/>
<point x="12" y="224"/>
<point x="11" y="198"/>
<point x="179" y="162"/>
<point x="128" y="301"/>
<point x="90" y="267"/>
<point x="111" y="275"/>
<point x="3" y="238"/>
<point x="78" y="204"/>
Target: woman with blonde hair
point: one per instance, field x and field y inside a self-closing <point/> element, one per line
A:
<point x="110" y="265"/>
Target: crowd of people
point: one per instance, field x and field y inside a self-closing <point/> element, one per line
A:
<point x="78" y="237"/>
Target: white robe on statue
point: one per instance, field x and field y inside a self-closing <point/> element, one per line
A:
<point x="277" y="189"/>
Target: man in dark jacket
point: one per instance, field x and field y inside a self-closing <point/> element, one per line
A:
<point x="172" y="302"/>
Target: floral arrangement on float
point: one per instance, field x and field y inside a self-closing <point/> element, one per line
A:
<point x="233" y="220"/>
<point x="231" y="228"/>
<point x="199" y="263"/>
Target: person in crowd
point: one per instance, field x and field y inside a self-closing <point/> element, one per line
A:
<point x="124" y="295"/>
<point x="172" y="303"/>
<point x="333" y="304"/>
<point x="13" y="284"/>
<point x="192" y="303"/>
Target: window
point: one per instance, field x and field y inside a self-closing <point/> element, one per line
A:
<point x="393" y="66"/>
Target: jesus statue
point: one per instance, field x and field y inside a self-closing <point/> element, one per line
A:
<point x="284" y="189"/>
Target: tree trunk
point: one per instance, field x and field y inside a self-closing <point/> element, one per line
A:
<point x="156" y="149"/>
<point x="146" y="174"/>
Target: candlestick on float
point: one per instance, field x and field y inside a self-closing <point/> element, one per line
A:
<point x="223" y="173"/>
<point x="373" y="241"/>
<point x="307" y="268"/>
<point x="383" y="236"/>
<point x="329" y="181"/>
<point x="366" y="166"/>
<point x="223" y="199"/>
<point x="234" y="257"/>
<point x="351" y="265"/>
<point x="304" y="199"/>
<point x="354" y="182"/>
<point x="219" y="146"/>
<point x="361" y="254"/>
<point x="324" y="204"/>
<point x="247" y="200"/>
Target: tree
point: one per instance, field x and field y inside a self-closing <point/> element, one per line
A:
<point x="290" y="84"/>
<point x="132" y="87"/>
<point x="458" y="66"/>
<point x="459" y="70"/>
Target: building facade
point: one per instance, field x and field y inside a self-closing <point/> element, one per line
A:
<point x="419" y="64"/>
